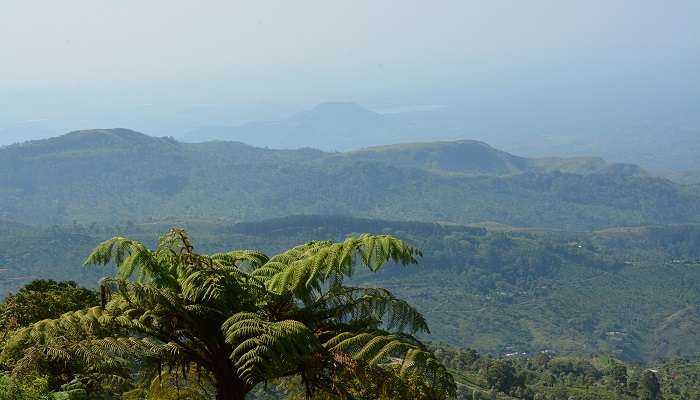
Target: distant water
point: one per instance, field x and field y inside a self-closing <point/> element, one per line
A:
<point x="410" y="108"/>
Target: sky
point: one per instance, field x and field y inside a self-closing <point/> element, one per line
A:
<point x="166" y="67"/>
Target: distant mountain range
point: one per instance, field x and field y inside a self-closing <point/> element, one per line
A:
<point x="671" y="148"/>
<point x="118" y="175"/>
<point x="328" y="126"/>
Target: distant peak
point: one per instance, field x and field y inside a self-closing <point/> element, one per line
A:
<point x="327" y="116"/>
<point x="426" y="145"/>
<point x="117" y="132"/>
<point x="462" y="156"/>
<point x="114" y="138"/>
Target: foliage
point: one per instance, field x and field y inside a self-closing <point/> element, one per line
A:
<point x="30" y="388"/>
<point x="118" y="175"/>
<point x="618" y="374"/>
<point x="243" y="318"/>
<point x="497" y="290"/>
<point x="38" y="301"/>
<point x="500" y="374"/>
<point x="43" y="299"/>
<point x="543" y="377"/>
<point x="649" y="387"/>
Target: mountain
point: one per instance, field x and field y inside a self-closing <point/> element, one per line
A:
<point x="465" y="156"/>
<point x="119" y="175"/>
<point x="475" y="157"/>
<point x="626" y="292"/>
<point x="666" y="146"/>
<point x="329" y="126"/>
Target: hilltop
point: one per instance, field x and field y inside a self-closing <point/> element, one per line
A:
<point x="476" y="157"/>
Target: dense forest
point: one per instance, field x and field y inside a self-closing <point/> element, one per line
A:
<point x="495" y="289"/>
<point x="546" y="376"/>
<point x="223" y="324"/>
<point x="120" y="175"/>
<point x="175" y="324"/>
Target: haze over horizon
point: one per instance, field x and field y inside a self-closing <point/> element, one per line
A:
<point x="503" y="72"/>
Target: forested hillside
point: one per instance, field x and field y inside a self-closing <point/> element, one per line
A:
<point x="527" y="257"/>
<point x="630" y="293"/>
<point x="663" y="147"/>
<point x="119" y="175"/>
<point x="548" y="376"/>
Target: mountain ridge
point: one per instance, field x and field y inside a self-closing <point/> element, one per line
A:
<point x="127" y="139"/>
<point x="107" y="175"/>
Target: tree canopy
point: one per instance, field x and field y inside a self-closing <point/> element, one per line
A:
<point x="240" y="318"/>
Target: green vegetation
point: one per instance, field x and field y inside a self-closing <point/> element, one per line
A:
<point x="545" y="376"/>
<point x="148" y="338"/>
<point x="43" y="299"/>
<point x="238" y="318"/>
<point x="26" y="388"/>
<point x="542" y="376"/>
<point x="629" y="293"/>
<point x="111" y="176"/>
<point x="567" y="305"/>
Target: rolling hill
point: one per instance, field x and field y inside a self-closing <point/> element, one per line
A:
<point x="119" y="175"/>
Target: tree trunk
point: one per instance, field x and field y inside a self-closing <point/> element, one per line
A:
<point x="230" y="388"/>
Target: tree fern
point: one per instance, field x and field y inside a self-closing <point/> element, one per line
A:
<point x="244" y="318"/>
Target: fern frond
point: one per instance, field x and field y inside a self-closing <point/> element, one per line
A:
<point x="263" y="348"/>
<point x="357" y="303"/>
<point x="305" y="268"/>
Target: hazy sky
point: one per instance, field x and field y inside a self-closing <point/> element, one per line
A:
<point x="169" y="66"/>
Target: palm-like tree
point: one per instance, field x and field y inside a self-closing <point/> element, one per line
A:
<point x="242" y="318"/>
